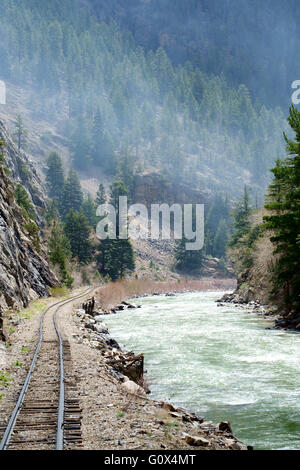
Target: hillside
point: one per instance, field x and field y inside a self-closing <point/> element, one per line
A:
<point x="117" y="108"/>
<point x="250" y="42"/>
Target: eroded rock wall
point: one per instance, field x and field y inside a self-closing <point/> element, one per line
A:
<point x="24" y="272"/>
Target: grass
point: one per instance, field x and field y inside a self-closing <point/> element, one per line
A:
<point x="35" y="308"/>
<point x="59" y="291"/>
<point x="116" y="292"/>
<point x="174" y="424"/>
<point x="5" y="378"/>
<point x="38" y="306"/>
<point x="18" y="364"/>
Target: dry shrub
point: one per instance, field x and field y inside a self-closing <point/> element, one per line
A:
<point x="116" y="292"/>
<point x="58" y="291"/>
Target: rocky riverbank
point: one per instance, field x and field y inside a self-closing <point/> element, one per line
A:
<point x="289" y="321"/>
<point x="142" y="423"/>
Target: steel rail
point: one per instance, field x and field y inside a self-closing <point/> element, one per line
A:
<point x="61" y="403"/>
<point x="15" y="414"/>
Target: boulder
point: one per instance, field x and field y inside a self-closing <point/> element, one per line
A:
<point x="101" y="328"/>
<point x="196" y="441"/>
<point x="225" y="427"/>
<point x="132" y="387"/>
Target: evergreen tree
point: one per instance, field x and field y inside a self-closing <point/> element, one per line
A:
<point x="72" y="197"/>
<point x="60" y="251"/>
<point x="89" y="210"/>
<point x="78" y="230"/>
<point x="221" y="240"/>
<point x="284" y="221"/>
<point x="52" y="211"/>
<point x="101" y="196"/>
<point x="23" y="200"/>
<point x="81" y="145"/>
<point x="188" y="261"/>
<point x="21" y="132"/>
<point x="55" y="178"/>
<point x="117" y="189"/>
<point x="241" y="219"/>
<point x="2" y="145"/>
<point x="116" y="257"/>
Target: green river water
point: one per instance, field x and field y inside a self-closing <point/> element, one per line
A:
<point x="220" y="362"/>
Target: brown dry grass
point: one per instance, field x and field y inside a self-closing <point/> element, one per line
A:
<point x="117" y="292"/>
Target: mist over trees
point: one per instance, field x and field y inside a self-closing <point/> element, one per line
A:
<point x="250" y="41"/>
<point x="124" y="105"/>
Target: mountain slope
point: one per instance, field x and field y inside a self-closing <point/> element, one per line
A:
<point x="250" y="41"/>
<point x="24" y="269"/>
<point x="119" y="104"/>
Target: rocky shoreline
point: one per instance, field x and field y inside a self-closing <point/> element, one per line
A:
<point x="284" y="322"/>
<point x="127" y="369"/>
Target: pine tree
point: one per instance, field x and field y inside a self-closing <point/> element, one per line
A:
<point x="221" y="240"/>
<point x="116" y="257"/>
<point x="60" y="251"/>
<point x="21" y="132"/>
<point x="23" y="200"/>
<point x="81" y="145"/>
<point x="101" y="196"/>
<point x="2" y="145"/>
<point x="284" y="221"/>
<point x="52" y="211"/>
<point x="89" y="210"/>
<point x="72" y="197"/>
<point x="55" y="178"/>
<point x="78" y="230"/>
<point x="117" y="189"/>
<point x="188" y="261"/>
<point x="241" y="219"/>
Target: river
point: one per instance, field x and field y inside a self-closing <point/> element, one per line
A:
<point x="220" y="362"/>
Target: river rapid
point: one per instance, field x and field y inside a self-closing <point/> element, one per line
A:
<point x="220" y="362"/>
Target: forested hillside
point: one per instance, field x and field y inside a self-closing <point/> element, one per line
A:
<point x="125" y="109"/>
<point x="252" y="42"/>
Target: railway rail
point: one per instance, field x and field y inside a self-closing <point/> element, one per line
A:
<point x="47" y="414"/>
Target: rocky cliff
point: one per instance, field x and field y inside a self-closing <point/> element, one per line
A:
<point x="153" y="188"/>
<point x="23" y="170"/>
<point x="24" y="269"/>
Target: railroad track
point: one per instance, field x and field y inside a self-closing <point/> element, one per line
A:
<point x="47" y="414"/>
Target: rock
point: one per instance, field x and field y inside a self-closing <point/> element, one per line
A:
<point x="128" y="305"/>
<point x="80" y="312"/>
<point x="196" y="441"/>
<point x="119" y="308"/>
<point x="225" y="427"/>
<point x="101" y="328"/>
<point x="168" y="406"/>
<point x="98" y="318"/>
<point x="237" y="446"/>
<point x="132" y="387"/>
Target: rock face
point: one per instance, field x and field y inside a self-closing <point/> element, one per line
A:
<point x="24" y="272"/>
<point x="23" y="171"/>
<point x="152" y="188"/>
